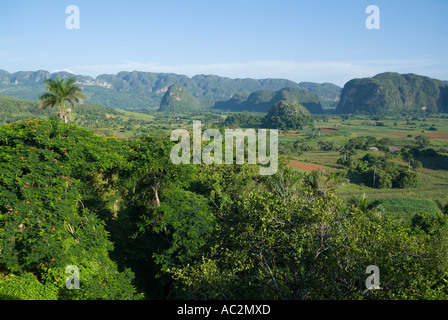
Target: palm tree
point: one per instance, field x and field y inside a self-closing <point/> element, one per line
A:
<point x="59" y="92"/>
<point x="407" y="156"/>
<point x="374" y="208"/>
<point x="348" y="153"/>
<point x="375" y="163"/>
<point x="285" y="182"/>
<point x="320" y="183"/>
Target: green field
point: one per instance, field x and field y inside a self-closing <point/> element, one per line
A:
<point x="431" y="192"/>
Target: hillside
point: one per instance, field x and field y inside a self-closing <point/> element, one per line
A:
<point x="178" y="99"/>
<point x="262" y="101"/>
<point x="145" y="90"/>
<point x="392" y="93"/>
<point x="103" y="119"/>
<point x="328" y="93"/>
<point x="287" y="116"/>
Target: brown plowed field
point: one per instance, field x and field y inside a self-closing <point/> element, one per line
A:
<point x="330" y="130"/>
<point x="436" y="135"/>
<point x="399" y="135"/>
<point x="306" y="166"/>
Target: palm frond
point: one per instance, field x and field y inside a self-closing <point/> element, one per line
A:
<point x="48" y="100"/>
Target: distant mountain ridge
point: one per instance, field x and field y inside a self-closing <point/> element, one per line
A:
<point x="390" y="92"/>
<point x="145" y="90"/>
<point x="328" y="93"/>
<point x="262" y="101"/>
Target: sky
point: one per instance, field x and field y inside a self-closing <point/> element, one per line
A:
<point x="318" y="41"/>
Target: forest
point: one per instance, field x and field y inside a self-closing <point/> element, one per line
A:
<point x="94" y="190"/>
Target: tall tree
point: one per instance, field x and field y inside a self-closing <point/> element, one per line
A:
<point x="422" y="142"/>
<point x="59" y="92"/>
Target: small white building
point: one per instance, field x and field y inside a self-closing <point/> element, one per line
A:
<point x="393" y="149"/>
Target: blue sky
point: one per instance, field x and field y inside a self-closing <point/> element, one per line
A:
<point x="319" y="40"/>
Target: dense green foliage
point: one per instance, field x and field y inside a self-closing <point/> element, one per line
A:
<point x="262" y="101"/>
<point x="136" y="224"/>
<point x="378" y="172"/>
<point x="287" y="116"/>
<point x="49" y="173"/>
<point x="294" y="240"/>
<point x="392" y="93"/>
<point x="244" y="120"/>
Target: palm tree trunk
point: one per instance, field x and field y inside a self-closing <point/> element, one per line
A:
<point x="374" y="174"/>
<point x="61" y="112"/>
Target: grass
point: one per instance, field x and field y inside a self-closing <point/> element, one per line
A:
<point x="405" y="209"/>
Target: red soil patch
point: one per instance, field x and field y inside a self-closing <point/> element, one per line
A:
<point x="298" y="134"/>
<point x="330" y="130"/>
<point x="306" y="166"/>
<point x="436" y="135"/>
<point x="289" y="135"/>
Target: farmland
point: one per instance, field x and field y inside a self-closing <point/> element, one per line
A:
<point x="432" y="177"/>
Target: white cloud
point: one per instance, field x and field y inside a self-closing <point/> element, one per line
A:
<point x="338" y="72"/>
